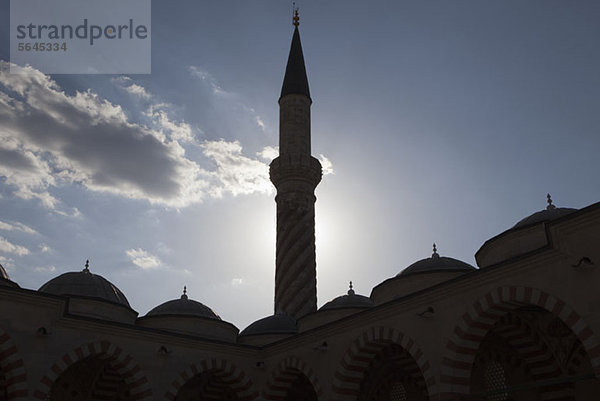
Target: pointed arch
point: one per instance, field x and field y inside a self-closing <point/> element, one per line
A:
<point x="13" y="368"/>
<point x="479" y="319"/>
<point x="229" y="373"/>
<point x="354" y="364"/>
<point x="122" y="362"/>
<point x="285" y="374"/>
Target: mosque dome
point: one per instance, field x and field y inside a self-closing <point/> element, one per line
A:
<point x="85" y="284"/>
<point x="550" y="213"/>
<point x="422" y="274"/>
<point x="436" y="264"/>
<point x="350" y="300"/>
<point x="278" y="323"/>
<point x="5" y="279"/>
<point x="183" y="307"/>
<point x="338" y="308"/>
<point x="189" y="317"/>
<point x="528" y="235"/>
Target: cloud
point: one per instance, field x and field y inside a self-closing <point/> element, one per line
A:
<point x="45" y="248"/>
<point x="156" y="111"/>
<point x="143" y="259"/>
<point x="137" y="90"/>
<point x="82" y="139"/>
<point x="7" y="263"/>
<point x="52" y="139"/>
<point x="16" y="226"/>
<point x="208" y="79"/>
<point x="22" y="168"/>
<point x="268" y="153"/>
<point x="228" y="104"/>
<point x="177" y="131"/>
<point x="236" y="282"/>
<point x="236" y="173"/>
<point x="8" y="247"/>
<point x="326" y="164"/>
<point x="127" y="84"/>
<point x="259" y="122"/>
<point x="45" y="269"/>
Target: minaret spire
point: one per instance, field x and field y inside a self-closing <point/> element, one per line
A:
<point x="295" y="174"/>
<point x="295" y="80"/>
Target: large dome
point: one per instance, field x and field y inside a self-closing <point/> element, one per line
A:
<point x="275" y="324"/>
<point x="183" y="307"/>
<point x="436" y="264"/>
<point x="189" y="317"/>
<point x="85" y="284"/>
<point x="350" y="300"/>
<point x="550" y="213"/>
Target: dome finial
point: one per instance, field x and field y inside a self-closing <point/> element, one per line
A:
<point x="350" y="291"/>
<point x="87" y="267"/>
<point x="550" y="205"/>
<point x="184" y="296"/>
<point x="296" y="18"/>
<point x="435" y="254"/>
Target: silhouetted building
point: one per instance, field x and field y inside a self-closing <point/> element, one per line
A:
<point x="523" y="326"/>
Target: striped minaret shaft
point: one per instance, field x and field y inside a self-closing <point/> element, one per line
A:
<point x="295" y="174"/>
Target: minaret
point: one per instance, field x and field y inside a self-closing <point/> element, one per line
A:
<point x="295" y="174"/>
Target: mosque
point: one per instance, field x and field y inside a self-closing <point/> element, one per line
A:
<point x="523" y="325"/>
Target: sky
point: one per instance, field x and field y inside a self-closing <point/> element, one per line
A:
<point x="436" y="121"/>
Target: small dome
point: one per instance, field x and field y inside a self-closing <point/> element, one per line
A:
<point x="275" y="324"/>
<point x="85" y="284"/>
<point x="544" y="215"/>
<point x="350" y="300"/>
<point x="436" y="264"/>
<point x="183" y="307"/>
<point x="550" y="213"/>
<point x="5" y="279"/>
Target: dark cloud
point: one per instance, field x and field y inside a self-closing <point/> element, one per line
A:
<point x="60" y="139"/>
<point x="15" y="160"/>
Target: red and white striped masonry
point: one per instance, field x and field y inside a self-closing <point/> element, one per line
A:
<point x="106" y="387"/>
<point x="13" y="368"/>
<point x="537" y="355"/>
<point x="483" y="314"/>
<point x="285" y="374"/>
<point x="350" y="374"/>
<point x="123" y="363"/>
<point x="227" y="372"/>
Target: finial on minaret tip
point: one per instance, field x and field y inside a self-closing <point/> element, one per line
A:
<point x="435" y="254"/>
<point x="351" y="291"/>
<point x="184" y="296"/>
<point x="296" y="18"/>
<point x="550" y="205"/>
<point x="87" y="267"/>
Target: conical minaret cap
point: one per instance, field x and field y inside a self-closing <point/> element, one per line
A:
<point x="295" y="80"/>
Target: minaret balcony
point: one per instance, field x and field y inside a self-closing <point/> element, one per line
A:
<point x="299" y="168"/>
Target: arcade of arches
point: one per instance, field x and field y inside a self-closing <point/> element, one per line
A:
<point x="524" y="352"/>
<point x="93" y="378"/>
<point x="449" y="349"/>
<point x="531" y="354"/>
<point x="393" y="375"/>
<point x="206" y="386"/>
